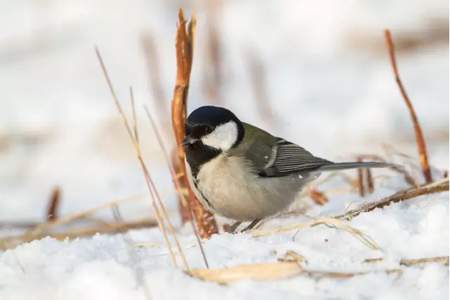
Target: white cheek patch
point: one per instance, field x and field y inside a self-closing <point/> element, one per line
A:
<point x="223" y="137"/>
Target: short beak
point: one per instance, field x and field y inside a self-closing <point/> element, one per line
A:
<point x="188" y="141"/>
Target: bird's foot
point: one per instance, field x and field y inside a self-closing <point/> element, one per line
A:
<point x="252" y="225"/>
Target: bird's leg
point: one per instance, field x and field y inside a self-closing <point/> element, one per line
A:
<point x="252" y="225"/>
<point x="234" y="226"/>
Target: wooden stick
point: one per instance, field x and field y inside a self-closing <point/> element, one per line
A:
<point x="420" y="140"/>
<point x="411" y="193"/>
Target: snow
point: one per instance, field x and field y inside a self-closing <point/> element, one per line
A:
<point x="331" y="90"/>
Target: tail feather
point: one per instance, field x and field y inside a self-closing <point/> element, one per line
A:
<point x="354" y="165"/>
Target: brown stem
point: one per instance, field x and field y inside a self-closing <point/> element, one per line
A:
<point x="53" y="204"/>
<point x="184" y="45"/>
<point x="429" y="188"/>
<point x="420" y="140"/>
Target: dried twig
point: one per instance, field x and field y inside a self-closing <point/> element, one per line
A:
<point x="369" y="179"/>
<point x="443" y="260"/>
<point x="394" y="167"/>
<point x="206" y="223"/>
<point x="42" y="228"/>
<point x="85" y="231"/>
<point x="365" y="179"/>
<point x="421" y="261"/>
<point x="53" y="204"/>
<point x="361" y="186"/>
<point x="429" y="188"/>
<point x="420" y="140"/>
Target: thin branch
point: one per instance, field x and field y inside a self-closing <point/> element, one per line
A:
<point x="411" y="193"/>
<point x="420" y="140"/>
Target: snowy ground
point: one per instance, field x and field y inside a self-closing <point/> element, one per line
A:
<point x="331" y="90"/>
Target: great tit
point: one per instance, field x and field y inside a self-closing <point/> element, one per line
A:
<point x="244" y="173"/>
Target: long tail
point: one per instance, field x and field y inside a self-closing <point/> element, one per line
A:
<point x="354" y="165"/>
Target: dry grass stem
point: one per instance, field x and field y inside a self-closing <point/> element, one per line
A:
<point x="397" y="168"/>
<point x="41" y="228"/>
<point x="156" y="202"/>
<point x="184" y="45"/>
<point x="443" y="260"/>
<point x="53" y="204"/>
<point x="85" y="231"/>
<point x="420" y="140"/>
<point x="369" y="180"/>
<point x="411" y="193"/>
<point x="331" y="222"/>
<point x="178" y="188"/>
<point x="361" y="186"/>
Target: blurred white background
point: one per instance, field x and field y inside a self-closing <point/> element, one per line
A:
<point x="321" y="68"/>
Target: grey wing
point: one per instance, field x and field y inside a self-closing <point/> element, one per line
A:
<point x="288" y="158"/>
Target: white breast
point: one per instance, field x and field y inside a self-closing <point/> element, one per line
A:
<point x="227" y="186"/>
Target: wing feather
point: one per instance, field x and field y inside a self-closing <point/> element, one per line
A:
<point x="290" y="158"/>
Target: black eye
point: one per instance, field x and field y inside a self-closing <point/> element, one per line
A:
<point x="208" y="129"/>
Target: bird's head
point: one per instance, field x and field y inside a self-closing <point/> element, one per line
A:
<point x="214" y="128"/>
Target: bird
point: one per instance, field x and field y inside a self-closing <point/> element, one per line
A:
<point x="244" y="173"/>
